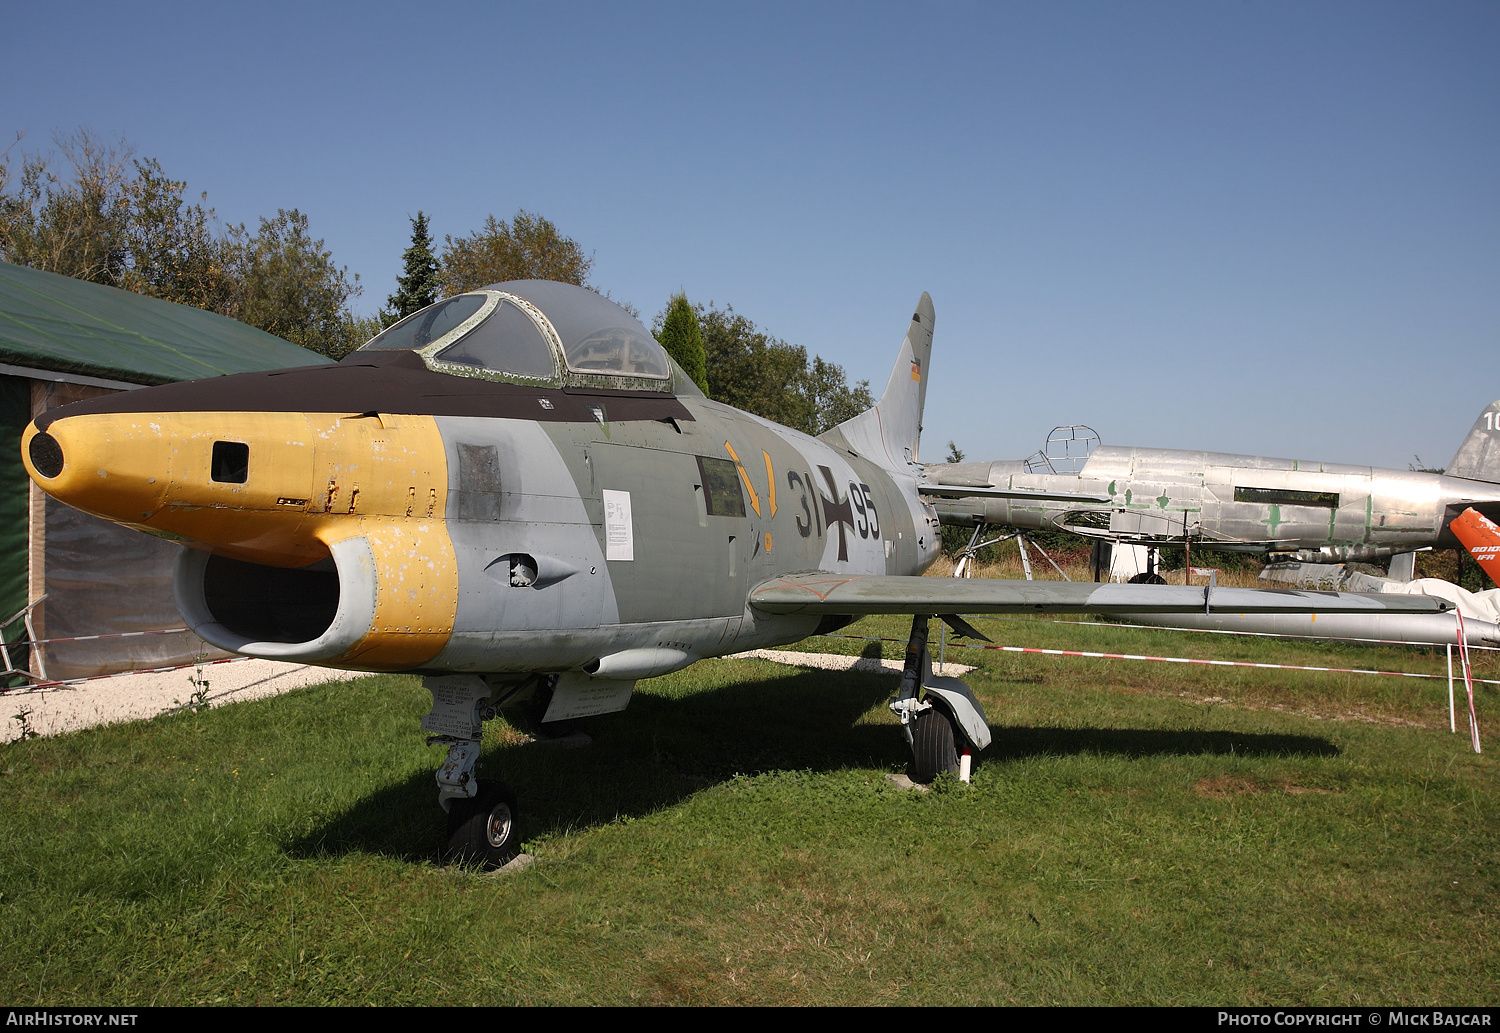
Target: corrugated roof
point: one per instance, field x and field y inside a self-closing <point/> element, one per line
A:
<point x="71" y="326"/>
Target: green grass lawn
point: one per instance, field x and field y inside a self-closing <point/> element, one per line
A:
<point x="1138" y="833"/>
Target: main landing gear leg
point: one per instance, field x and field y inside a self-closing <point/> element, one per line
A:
<point x="943" y="722"/>
<point x="482" y="813"/>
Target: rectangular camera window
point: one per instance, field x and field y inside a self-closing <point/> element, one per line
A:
<point x="231" y="462"/>
<point x="1288" y="497"/>
<point x="721" y="487"/>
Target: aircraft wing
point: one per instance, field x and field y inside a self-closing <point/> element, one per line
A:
<point x="1224" y="542"/>
<point x="964" y="491"/>
<point x="824" y="593"/>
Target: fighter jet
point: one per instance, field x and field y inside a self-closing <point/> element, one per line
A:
<point x="1294" y="509"/>
<point x="517" y="494"/>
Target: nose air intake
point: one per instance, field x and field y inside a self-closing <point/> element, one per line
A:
<point x="306" y="614"/>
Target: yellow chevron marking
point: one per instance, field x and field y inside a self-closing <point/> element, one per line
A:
<point x="771" y="480"/>
<point x="745" y="478"/>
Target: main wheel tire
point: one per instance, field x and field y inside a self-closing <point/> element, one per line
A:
<point x="484" y="829"/>
<point x="933" y="744"/>
<point x="1148" y="579"/>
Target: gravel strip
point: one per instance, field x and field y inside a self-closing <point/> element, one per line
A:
<point x="136" y="697"/>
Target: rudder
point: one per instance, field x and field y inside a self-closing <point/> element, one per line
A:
<point x="1478" y="458"/>
<point x="889" y="433"/>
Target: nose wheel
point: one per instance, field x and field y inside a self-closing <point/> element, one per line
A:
<point x="483" y="829"/>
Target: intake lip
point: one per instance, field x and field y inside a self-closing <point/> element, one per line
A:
<point x="46" y="455"/>
<point x="353" y="606"/>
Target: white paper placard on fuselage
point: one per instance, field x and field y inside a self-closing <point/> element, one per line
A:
<point x="578" y="695"/>
<point x="619" y="535"/>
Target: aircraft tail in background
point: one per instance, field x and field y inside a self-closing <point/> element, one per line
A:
<point x="1478" y="458"/>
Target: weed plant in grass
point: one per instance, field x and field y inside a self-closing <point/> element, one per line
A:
<point x="732" y="838"/>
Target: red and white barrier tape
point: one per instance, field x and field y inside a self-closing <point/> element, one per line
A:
<point x="91" y="638"/>
<point x="70" y="682"/>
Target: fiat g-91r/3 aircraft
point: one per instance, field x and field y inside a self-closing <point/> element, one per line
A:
<point x="516" y="493"/>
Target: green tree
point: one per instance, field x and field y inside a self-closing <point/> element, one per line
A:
<point x="955" y="454"/>
<point x="682" y="337"/>
<point x="172" y="249"/>
<point x="291" y="287"/>
<point x="751" y="370"/>
<point x="77" y="226"/>
<point x="109" y="218"/>
<point x="833" y="400"/>
<point x="417" y="287"/>
<point x="528" y="248"/>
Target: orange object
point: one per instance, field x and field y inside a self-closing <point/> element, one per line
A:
<point x="1481" y="536"/>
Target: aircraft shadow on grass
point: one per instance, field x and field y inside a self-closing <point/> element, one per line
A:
<point x="661" y="751"/>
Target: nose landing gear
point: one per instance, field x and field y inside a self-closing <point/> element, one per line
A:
<point x="482" y="814"/>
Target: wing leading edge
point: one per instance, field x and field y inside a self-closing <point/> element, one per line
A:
<point x="824" y="593"/>
<point x="965" y="491"/>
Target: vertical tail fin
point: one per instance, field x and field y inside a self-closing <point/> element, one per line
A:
<point x="890" y="432"/>
<point x="1478" y="458"/>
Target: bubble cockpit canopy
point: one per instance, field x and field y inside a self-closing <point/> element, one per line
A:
<point x="533" y="332"/>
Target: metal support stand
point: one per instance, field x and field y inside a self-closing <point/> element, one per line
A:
<point x="1452" y="718"/>
<point x="1043" y="553"/>
<point x="970" y="555"/>
<point x="1187" y="552"/>
<point x="24" y="616"/>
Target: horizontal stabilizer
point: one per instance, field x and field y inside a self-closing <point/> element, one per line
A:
<point x="961" y="491"/>
<point x="824" y="593"/>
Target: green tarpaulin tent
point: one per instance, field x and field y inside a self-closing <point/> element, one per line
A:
<point x="64" y="325"/>
<point x="60" y="335"/>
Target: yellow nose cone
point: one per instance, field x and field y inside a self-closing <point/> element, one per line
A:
<point x="235" y="482"/>
<point x="274" y="488"/>
<point x="115" y="466"/>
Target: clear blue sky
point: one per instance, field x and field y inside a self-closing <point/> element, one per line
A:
<point x="1254" y="227"/>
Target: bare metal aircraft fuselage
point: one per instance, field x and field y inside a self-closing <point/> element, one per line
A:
<point x="1314" y="510"/>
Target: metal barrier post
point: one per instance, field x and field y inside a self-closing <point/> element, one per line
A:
<point x="1452" y="720"/>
